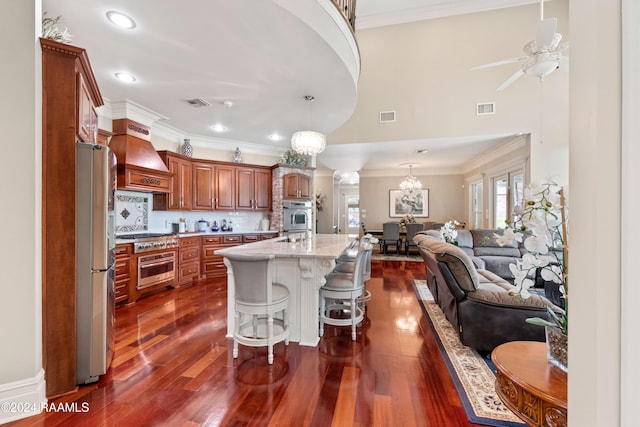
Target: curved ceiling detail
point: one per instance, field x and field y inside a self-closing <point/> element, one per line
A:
<point x="250" y="61"/>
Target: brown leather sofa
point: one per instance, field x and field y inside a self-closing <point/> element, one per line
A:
<point x="478" y="302"/>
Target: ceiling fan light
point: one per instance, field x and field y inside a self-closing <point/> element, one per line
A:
<point x="308" y="142"/>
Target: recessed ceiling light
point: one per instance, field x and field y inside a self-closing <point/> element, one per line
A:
<point x="422" y="151"/>
<point x="275" y="137"/>
<point x="121" y="20"/>
<point x="125" y="77"/>
<point x="218" y="128"/>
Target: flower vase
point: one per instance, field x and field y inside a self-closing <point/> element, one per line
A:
<point x="557" y="348"/>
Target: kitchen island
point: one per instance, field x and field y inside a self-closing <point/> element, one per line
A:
<point x="301" y="266"/>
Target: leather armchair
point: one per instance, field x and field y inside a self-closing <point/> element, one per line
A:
<point x="477" y="302"/>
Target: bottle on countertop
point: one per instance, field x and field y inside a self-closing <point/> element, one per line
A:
<point x="230" y="226"/>
<point x="214" y="226"/>
<point x="223" y="225"/>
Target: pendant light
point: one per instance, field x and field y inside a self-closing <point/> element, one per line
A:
<point x="410" y="183"/>
<point x="308" y="142"/>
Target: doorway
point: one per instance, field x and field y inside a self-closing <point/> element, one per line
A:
<point x="346" y="202"/>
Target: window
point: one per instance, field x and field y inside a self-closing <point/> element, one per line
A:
<point x="507" y="194"/>
<point x="476" y="205"/>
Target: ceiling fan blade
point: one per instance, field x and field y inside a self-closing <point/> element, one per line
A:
<point x="545" y="33"/>
<point x="515" y="76"/>
<point x="495" y="64"/>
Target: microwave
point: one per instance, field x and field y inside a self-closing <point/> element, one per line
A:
<point x="296" y="216"/>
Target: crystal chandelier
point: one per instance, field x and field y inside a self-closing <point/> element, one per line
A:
<point x="410" y="183"/>
<point x="308" y="142"/>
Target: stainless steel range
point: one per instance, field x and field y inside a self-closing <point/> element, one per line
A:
<point x="157" y="260"/>
<point x="147" y="242"/>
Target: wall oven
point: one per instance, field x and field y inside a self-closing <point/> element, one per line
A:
<point x="156" y="268"/>
<point x="296" y="216"/>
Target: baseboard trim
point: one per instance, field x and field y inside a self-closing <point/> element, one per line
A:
<point x="23" y="398"/>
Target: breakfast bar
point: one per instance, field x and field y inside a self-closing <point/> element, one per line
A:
<point x="301" y="264"/>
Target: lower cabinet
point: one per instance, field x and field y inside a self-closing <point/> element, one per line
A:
<point x="212" y="264"/>
<point x="189" y="260"/>
<point x="123" y="271"/>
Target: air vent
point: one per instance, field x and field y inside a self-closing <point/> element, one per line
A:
<point x="198" y="102"/>
<point x="485" y="108"/>
<point x="387" y="116"/>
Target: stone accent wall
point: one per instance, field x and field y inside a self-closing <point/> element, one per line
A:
<point x="277" y="194"/>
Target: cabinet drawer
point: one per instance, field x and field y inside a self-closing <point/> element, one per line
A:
<point x="189" y="241"/>
<point x="248" y="238"/>
<point x="122" y="268"/>
<point x="268" y="236"/>
<point x="232" y="238"/>
<point x="189" y="254"/>
<point x="212" y="239"/>
<point x="208" y="252"/>
<point x="124" y="249"/>
<point x="188" y="271"/>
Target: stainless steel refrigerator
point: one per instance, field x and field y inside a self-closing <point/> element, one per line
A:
<point x="95" y="260"/>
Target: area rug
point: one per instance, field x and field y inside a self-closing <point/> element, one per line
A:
<point x="473" y="375"/>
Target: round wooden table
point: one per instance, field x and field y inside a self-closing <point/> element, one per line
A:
<point x="534" y="389"/>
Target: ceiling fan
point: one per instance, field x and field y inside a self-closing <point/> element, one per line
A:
<point x="544" y="55"/>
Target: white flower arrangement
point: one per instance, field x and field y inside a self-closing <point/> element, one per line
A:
<point x="50" y="30"/>
<point x="542" y="220"/>
<point x="448" y="231"/>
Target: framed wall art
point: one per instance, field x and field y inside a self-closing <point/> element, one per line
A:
<point x="402" y="203"/>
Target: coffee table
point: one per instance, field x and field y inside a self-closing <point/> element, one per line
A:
<point x="534" y="389"/>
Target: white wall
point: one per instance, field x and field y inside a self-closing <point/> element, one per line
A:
<point x="421" y="71"/>
<point x="594" y="285"/>
<point x="21" y="375"/>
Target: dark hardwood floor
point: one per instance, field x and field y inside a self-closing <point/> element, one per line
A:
<point x="173" y="367"/>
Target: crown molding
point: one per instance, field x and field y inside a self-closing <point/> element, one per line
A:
<point x="510" y="145"/>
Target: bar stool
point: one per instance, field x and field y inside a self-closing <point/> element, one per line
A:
<point x="340" y="294"/>
<point x="258" y="301"/>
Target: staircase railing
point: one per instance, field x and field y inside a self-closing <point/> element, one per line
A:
<point x="348" y="9"/>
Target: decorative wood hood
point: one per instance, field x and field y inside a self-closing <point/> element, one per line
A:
<point x="140" y="168"/>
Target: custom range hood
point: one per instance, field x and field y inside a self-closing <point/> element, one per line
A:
<point x="140" y="168"/>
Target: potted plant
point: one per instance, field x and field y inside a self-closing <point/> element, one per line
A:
<point x="541" y="225"/>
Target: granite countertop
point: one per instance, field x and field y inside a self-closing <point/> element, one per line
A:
<point x="319" y="246"/>
<point x="216" y="233"/>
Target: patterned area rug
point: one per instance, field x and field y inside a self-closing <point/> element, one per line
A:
<point x="473" y="375"/>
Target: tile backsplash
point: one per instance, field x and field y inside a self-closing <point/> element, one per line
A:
<point x="134" y="213"/>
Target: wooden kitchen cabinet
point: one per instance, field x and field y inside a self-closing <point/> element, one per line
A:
<point x="180" y="196"/>
<point x="123" y="271"/>
<point x="267" y="236"/>
<point x="296" y="186"/>
<point x="70" y="95"/>
<point x="189" y="260"/>
<point x="213" y="187"/>
<point x="87" y="118"/>
<point x="253" y="189"/>
<point x="212" y="264"/>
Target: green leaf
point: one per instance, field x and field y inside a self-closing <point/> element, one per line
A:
<point x="540" y="322"/>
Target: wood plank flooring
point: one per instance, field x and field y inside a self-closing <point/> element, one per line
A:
<point x="173" y="367"/>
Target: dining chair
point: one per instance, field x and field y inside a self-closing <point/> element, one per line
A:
<point x="261" y="305"/>
<point x="412" y="229"/>
<point x="390" y="237"/>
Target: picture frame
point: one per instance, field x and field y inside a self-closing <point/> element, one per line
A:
<point x="403" y="203"/>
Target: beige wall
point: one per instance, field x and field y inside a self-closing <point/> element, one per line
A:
<point x="446" y="196"/>
<point x="421" y="71"/>
<point x="21" y="377"/>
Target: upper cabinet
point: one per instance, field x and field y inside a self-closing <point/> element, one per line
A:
<point x="296" y="186"/>
<point x="180" y="196"/>
<point x="253" y="189"/>
<point x="87" y="118"/>
<point x="213" y="186"/>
